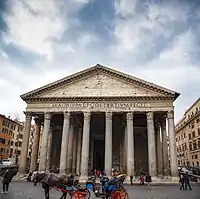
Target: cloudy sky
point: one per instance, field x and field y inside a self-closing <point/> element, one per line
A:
<point x="44" y="40"/>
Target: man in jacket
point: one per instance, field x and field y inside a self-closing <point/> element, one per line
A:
<point x="7" y="177"/>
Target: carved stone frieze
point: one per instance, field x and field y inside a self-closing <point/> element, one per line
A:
<point x="149" y="115"/>
<point x="170" y="114"/>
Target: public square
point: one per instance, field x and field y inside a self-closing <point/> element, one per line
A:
<point x="25" y="190"/>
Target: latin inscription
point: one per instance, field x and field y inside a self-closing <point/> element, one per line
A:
<point x="119" y="105"/>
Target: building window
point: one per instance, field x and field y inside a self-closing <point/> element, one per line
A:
<point x="192" y="157"/>
<point x="2" y="141"/>
<point x="189" y="136"/>
<point x="193" y="134"/>
<point x="198" y="164"/>
<point x="193" y="164"/>
<point x="184" y="135"/>
<point x="192" y="126"/>
<point x="194" y="145"/>
<point x="196" y="156"/>
<point x="190" y="146"/>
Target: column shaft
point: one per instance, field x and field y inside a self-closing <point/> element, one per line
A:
<point x="78" y="162"/>
<point x="125" y="150"/>
<point x="85" y="146"/>
<point x="165" y="148"/>
<point x="70" y="147"/>
<point x="44" y="147"/>
<point x="25" y="144"/>
<point x="159" y="151"/>
<point x="74" y="156"/>
<point x="130" y="145"/>
<point x="151" y="145"/>
<point x="49" y="154"/>
<point x="64" y="144"/>
<point x="172" y="144"/>
<point x="36" y="142"/>
<point x="108" y="144"/>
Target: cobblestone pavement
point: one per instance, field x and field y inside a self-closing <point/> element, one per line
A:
<point x="25" y="190"/>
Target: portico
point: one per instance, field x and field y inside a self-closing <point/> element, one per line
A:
<point x="100" y="118"/>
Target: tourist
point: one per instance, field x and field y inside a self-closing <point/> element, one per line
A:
<point x="131" y="179"/>
<point x="148" y="181"/>
<point x="187" y="181"/>
<point x="142" y="180"/>
<point x="182" y="181"/>
<point x="7" y="177"/>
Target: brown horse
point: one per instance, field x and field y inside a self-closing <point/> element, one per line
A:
<point x="51" y="180"/>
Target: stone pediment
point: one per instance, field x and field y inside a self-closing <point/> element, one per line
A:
<point x="99" y="81"/>
<point x="100" y="85"/>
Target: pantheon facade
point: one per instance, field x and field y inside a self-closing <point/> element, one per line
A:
<point x="100" y="118"/>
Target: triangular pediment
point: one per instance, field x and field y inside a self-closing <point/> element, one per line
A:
<point x="99" y="81"/>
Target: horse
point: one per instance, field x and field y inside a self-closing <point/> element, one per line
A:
<point x="51" y="180"/>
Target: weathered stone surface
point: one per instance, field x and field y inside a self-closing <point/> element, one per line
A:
<point x="100" y="85"/>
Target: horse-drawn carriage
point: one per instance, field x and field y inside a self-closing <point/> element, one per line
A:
<point x="112" y="189"/>
<point x="62" y="183"/>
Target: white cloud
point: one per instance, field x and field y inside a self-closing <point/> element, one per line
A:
<point x="135" y="33"/>
<point x="34" y="31"/>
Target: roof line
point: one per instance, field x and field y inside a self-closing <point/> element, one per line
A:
<point x="192" y="105"/>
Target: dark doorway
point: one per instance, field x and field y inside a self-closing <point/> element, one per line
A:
<point x="99" y="154"/>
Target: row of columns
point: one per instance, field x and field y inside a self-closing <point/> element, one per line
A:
<point x="81" y="164"/>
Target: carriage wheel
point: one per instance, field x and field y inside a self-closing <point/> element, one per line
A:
<point x="81" y="194"/>
<point x="119" y="194"/>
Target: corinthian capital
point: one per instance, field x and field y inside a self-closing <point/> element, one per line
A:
<point x="28" y="115"/>
<point x="149" y="115"/>
<point x="47" y="116"/>
<point x="170" y="114"/>
<point x="87" y="115"/>
<point x="67" y="115"/>
<point x="129" y="116"/>
<point x="109" y="115"/>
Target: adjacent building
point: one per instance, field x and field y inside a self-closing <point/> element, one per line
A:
<point x="101" y="118"/>
<point x="11" y="137"/>
<point x="188" y="137"/>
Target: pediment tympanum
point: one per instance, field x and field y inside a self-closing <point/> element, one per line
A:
<point x="99" y="81"/>
<point x="99" y="85"/>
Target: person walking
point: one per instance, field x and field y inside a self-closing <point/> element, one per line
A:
<point x="7" y="177"/>
<point x="187" y="181"/>
<point x="148" y="180"/>
<point x="131" y="178"/>
<point x="182" y="181"/>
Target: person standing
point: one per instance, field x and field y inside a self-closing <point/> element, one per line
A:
<point x="148" y="180"/>
<point x="142" y="180"/>
<point x="182" y="181"/>
<point x="7" y="177"/>
<point x="131" y="178"/>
